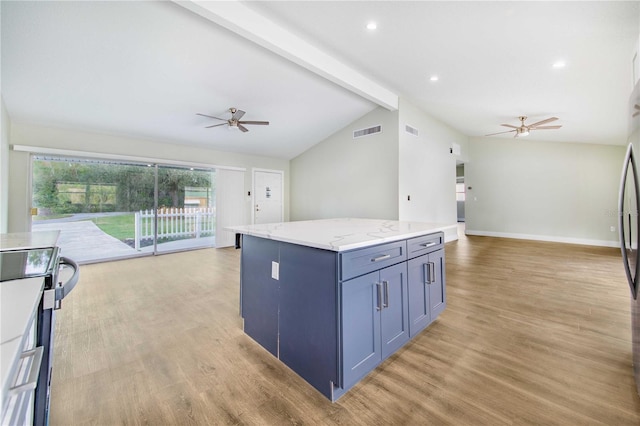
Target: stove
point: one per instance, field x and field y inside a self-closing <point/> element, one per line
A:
<point x="19" y="264"/>
<point x="46" y="263"/>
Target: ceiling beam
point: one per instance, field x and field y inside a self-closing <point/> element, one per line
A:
<point x="244" y="21"/>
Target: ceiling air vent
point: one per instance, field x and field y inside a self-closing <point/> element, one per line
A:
<point x="366" y="132"/>
<point x="410" y="129"/>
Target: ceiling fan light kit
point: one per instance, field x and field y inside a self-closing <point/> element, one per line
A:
<point x="524" y="130"/>
<point x="234" y="122"/>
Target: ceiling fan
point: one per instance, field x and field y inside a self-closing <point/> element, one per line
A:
<point x="234" y="122"/>
<point x="524" y="129"/>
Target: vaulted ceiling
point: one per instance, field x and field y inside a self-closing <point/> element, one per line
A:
<point x="144" y="69"/>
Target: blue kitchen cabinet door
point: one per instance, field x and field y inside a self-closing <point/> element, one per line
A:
<point x="361" y="349"/>
<point x="259" y="292"/>
<point x="394" y="316"/>
<point x="437" y="288"/>
<point x="427" y="298"/>
<point x="419" y="291"/>
<point x="375" y="320"/>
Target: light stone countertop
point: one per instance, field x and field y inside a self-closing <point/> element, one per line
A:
<point x="19" y="300"/>
<point x="28" y="240"/>
<point x="340" y="234"/>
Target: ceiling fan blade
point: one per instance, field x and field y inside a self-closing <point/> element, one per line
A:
<point x="635" y="114"/>
<point x="216" y="125"/>
<point x="499" y="133"/>
<point x="547" y="127"/>
<point x="509" y="125"/>
<point x="262" y="123"/>
<point x="241" y="127"/>
<point x="548" y="120"/>
<point x="238" y="114"/>
<point x="211" y="116"/>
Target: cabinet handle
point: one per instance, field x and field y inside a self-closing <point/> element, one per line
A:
<point x="429" y="244"/>
<point x="379" y="258"/>
<point x="386" y="294"/>
<point x="426" y="273"/>
<point x="379" y="304"/>
<point x="432" y="272"/>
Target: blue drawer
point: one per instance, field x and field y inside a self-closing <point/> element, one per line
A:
<point x="425" y="244"/>
<point x="362" y="261"/>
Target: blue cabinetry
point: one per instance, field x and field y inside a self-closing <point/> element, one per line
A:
<point x="374" y="320"/>
<point x="426" y="289"/>
<point x="334" y="316"/>
<point x="259" y="293"/>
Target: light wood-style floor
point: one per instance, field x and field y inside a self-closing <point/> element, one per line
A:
<point x="534" y="333"/>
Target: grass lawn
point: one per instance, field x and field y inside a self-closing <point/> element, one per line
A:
<point x="120" y="227"/>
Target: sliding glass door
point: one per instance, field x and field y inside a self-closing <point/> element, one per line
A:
<point x="107" y="210"/>
<point x="186" y="213"/>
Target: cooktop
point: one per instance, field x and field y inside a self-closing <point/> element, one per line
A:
<point x="17" y="264"/>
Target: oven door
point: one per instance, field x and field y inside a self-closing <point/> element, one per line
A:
<point x="18" y="408"/>
<point x="51" y="300"/>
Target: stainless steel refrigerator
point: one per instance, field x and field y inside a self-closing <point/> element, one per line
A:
<point x="629" y="225"/>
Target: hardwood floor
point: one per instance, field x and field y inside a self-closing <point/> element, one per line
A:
<point x="534" y="333"/>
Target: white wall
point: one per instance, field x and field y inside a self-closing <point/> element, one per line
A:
<point x="346" y="177"/>
<point x="543" y="190"/>
<point x="4" y="168"/>
<point x="230" y="204"/>
<point x="49" y="137"/>
<point x="427" y="168"/>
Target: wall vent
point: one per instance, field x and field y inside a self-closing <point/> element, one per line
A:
<point x="411" y="130"/>
<point x="366" y="132"/>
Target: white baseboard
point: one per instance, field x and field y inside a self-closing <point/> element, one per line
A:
<point x="450" y="233"/>
<point x="554" y="239"/>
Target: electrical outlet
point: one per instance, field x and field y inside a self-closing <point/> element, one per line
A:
<point x="612" y="229"/>
<point x="275" y="270"/>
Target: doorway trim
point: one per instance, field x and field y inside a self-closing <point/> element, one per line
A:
<point x="253" y="191"/>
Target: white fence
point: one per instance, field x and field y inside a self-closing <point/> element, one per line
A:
<point x="175" y="223"/>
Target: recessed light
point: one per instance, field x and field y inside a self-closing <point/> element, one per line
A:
<point x="559" y="64"/>
<point x="372" y="25"/>
<point x="433" y="78"/>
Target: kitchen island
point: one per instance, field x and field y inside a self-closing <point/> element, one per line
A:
<point x="334" y="298"/>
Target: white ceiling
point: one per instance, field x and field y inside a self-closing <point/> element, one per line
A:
<point x="144" y="69"/>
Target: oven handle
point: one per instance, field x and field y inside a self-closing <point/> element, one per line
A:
<point x="62" y="291"/>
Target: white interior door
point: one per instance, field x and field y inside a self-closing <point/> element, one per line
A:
<point x="230" y="204"/>
<point x="267" y="196"/>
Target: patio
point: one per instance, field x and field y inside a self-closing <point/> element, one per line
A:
<point x="84" y="242"/>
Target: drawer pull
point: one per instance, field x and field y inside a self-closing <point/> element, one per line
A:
<point x="379" y="258"/>
<point x="429" y="244"/>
